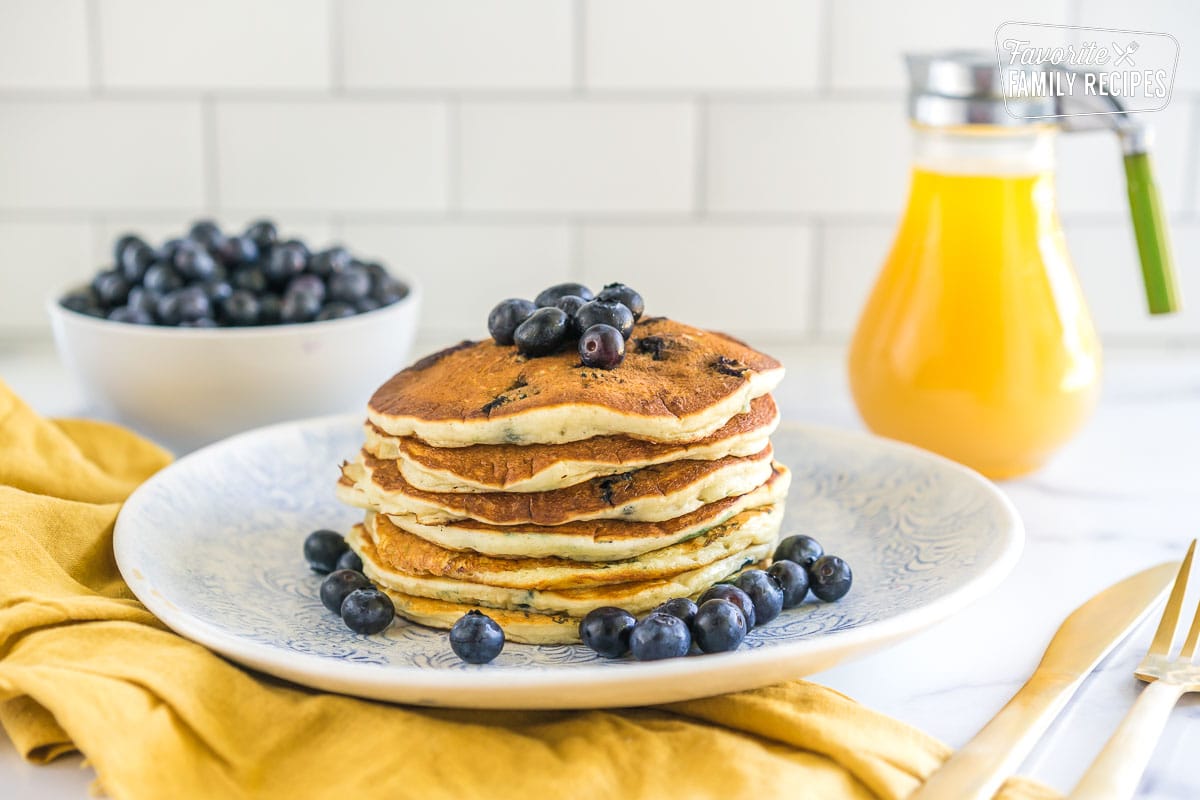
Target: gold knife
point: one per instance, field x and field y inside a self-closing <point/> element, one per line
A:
<point x="1083" y="640"/>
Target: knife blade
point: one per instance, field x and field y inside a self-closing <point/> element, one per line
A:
<point x="1080" y="644"/>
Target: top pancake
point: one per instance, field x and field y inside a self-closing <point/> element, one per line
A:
<point x="676" y="384"/>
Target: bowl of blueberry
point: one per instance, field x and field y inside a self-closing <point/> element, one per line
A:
<point x="218" y="331"/>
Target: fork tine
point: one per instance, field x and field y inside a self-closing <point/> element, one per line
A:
<point x="1170" y="618"/>
<point x="1193" y="637"/>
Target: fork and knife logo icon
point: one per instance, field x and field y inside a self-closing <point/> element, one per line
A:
<point x="1124" y="55"/>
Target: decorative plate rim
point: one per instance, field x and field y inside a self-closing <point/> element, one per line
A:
<point x="380" y="681"/>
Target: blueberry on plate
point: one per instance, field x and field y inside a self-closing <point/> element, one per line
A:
<point x="161" y="278"/>
<point x="506" y="316"/>
<point x="764" y="592"/>
<point x="263" y="233"/>
<point x="606" y="630"/>
<point x="570" y="306"/>
<point x="598" y="312"/>
<point x="241" y="308"/>
<point x="350" y="560"/>
<point x="111" y="288"/>
<point x="322" y="549"/>
<point x="548" y="297"/>
<point x="681" y="607"/>
<point x="829" y="578"/>
<point x="350" y="285"/>
<point x="340" y="583"/>
<point x="620" y="293"/>
<point x="602" y="346"/>
<point x="719" y="626"/>
<point x="476" y="638"/>
<point x="727" y="591"/>
<point x="658" y="636"/>
<point x="804" y="550"/>
<point x="327" y="262"/>
<point x="336" y="310"/>
<point x="792" y="579"/>
<point x="543" y="333"/>
<point x="367" y="611"/>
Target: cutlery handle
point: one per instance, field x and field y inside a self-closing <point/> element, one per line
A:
<point x="1116" y="772"/>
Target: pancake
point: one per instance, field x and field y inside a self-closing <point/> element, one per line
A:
<point x="592" y="540"/>
<point x="676" y="384"/>
<point x="407" y="552"/>
<point x="656" y="493"/>
<point x="636" y="597"/>
<point x="526" y="627"/>
<point x="542" y="467"/>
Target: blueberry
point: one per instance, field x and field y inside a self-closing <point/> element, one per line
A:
<point x="727" y="591"/>
<point x="620" y="293"/>
<point x="388" y="290"/>
<point x="285" y="262"/>
<point x="681" y="607"/>
<point x="327" y="262"/>
<point x="829" y="578"/>
<point x="203" y="322"/>
<point x="83" y="301"/>
<point x="335" y="310"/>
<point x="301" y="246"/>
<point x="207" y="234"/>
<point x="602" y="346"/>
<point x="111" y="288"/>
<point x="659" y="636"/>
<point x="194" y="262"/>
<point x="238" y="250"/>
<point x="764" y="592"/>
<point x="241" y="308"/>
<point x="162" y="278"/>
<point x="367" y="304"/>
<point x="506" y="316"/>
<point x="719" y="626"/>
<point x="367" y="611"/>
<point x="548" y="297"/>
<point x="169" y="311"/>
<point x="606" y="630"/>
<point x="570" y="306"/>
<point x="299" y="307"/>
<point x="541" y="334"/>
<point x="307" y="283"/>
<point x="143" y="300"/>
<point x="252" y="279"/>
<point x="270" y="309"/>
<point x="193" y="304"/>
<point x="476" y="638"/>
<point x="338" y="584"/>
<point x="217" y="291"/>
<point x="804" y="550"/>
<point x="792" y="579"/>
<point x="322" y="549"/>
<point x="135" y="259"/>
<point x="124" y="241"/>
<point x="132" y="315"/>
<point x="263" y="233"/>
<point x="598" y="312"/>
<point x="350" y="560"/>
<point x="350" y="286"/>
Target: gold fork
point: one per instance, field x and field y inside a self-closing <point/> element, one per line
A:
<point x="1118" y="769"/>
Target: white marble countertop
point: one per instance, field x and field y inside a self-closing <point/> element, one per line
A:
<point x="1123" y="496"/>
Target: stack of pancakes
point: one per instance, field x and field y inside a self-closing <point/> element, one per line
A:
<point x="539" y="489"/>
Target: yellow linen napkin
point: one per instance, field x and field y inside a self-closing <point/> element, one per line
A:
<point x="83" y="666"/>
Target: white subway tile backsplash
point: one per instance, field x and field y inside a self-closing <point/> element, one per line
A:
<point x="465" y="269"/>
<point x="331" y="156"/>
<point x="215" y="44"/>
<point x="100" y="155"/>
<point x="457" y="44"/>
<point x="810" y="156"/>
<point x="40" y="259"/>
<point x="1091" y="175"/>
<point x="1179" y="18"/>
<point x="577" y="156"/>
<point x="703" y="44"/>
<point x="43" y="44"/>
<point x="744" y="279"/>
<point x="851" y="257"/>
<point x="870" y="37"/>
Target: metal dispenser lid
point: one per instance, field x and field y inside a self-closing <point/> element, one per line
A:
<point x="962" y="87"/>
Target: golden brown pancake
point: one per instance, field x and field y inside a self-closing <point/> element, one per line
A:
<point x="525" y="627"/>
<point x="676" y="384"/>
<point x="542" y="467"/>
<point x="404" y="551"/>
<point x="656" y="493"/>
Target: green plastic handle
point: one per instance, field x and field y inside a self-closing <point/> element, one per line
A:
<point x="1154" y="248"/>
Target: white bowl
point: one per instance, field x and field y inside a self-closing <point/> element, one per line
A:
<point x="185" y="387"/>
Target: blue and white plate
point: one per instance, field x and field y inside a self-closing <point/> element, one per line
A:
<point x="212" y="546"/>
